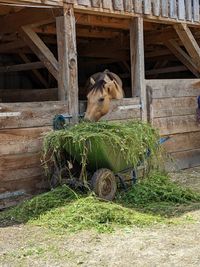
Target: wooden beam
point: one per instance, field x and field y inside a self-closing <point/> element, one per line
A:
<point x="41" y="50"/>
<point x="189" y="42"/>
<point x="183" y="57"/>
<point x="12" y="22"/>
<point x="22" y="67"/>
<point x="137" y="63"/>
<point x="35" y="72"/>
<point x="102" y="21"/>
<point x="17" y="44"/>
<point x="67" y="58"/>
<point x="166" y="70"/>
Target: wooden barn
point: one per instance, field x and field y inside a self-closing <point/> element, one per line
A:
<point x="49" y="48"/>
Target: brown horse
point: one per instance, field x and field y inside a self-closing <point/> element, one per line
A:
<point x="102" y="87"/>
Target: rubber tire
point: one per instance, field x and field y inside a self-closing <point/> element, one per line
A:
<point x="104" y="184"/>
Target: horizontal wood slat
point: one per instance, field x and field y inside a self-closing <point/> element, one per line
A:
<point x="25" y="115"/>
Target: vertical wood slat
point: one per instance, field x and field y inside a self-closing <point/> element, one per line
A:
<point x="173" y="9"/>
<point x="84" y="2"/>
<point x="181" y="9"/>
<point x="107" y="4"/>
<point x="156" y="7"/>
<point x="138" y="6"/>
<point x="118" y="5"/>
<point x="147" y="7"/>
<point x="188" y="9"/>
<point x="96" y="3"/>
<point x="196" y="10"/>
<point x="164" y="8"/>
<point x="128" y="5"/>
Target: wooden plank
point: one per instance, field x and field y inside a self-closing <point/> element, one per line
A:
<point x="169" y="107"/>
<point x="95" y="3"/>
<point x="118" y="5"/>
<point x="20" y="141"/>
<point x="186" y="159"/>
<point x="138" y="6"/>
<point x="67" y="51"/>
<point x="196" y="10"/>
<point x="166" y="70"/>
<point x="189" y="42"/>
<point x="22" y="67"/>
<point x="13" y="21"/>
<point x="19" y="161"/>
<point x="164" y="8"/>
<point x="30" y="114"/>
<point x="29" y="180"/>
<point x="183" y="57"/>
<point x="181" y="9"/>
<point x="147" y="7"/>
<point x="107" y="4"/>
<point x="84" y="2"/>
<point x="176" y="124"/>
<point x="183" y="142"/>
<point x="174" y="88"/>
<point x="41" y="50"/>
<point x="27" y="95"/>
<point x="173" y="9"/>
<point x="156" y="7"/>
<point x="128" y="5"/>
<point x="127" y="108"/>
<point x="137" y="63"/>
<point x="188" y="10"/>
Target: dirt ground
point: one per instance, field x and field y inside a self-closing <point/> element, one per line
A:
<point x="162" y="245"/>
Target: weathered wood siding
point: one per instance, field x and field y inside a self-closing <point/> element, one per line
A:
<point x="172" y="110"/>
<point x="50" y="3"/>
<point x="21" y="128"/>
<point x="169" y="9"/>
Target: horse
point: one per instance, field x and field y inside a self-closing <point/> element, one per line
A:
<point x="102" y="87"/>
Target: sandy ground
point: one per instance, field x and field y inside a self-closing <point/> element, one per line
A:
<point x="175" y="245"/>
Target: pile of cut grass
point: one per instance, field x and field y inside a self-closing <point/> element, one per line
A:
<point x="158" y="194"/>
<point x="149" y="202"/>
<point x="132" y="140"/>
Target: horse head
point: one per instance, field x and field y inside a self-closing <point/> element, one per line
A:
<point x="103" y="87"/>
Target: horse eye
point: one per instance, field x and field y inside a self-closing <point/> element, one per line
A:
<point x="101" y="99"/>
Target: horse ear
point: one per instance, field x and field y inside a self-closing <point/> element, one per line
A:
<point x="114" y="90"/>
<point x="92" y="81"/>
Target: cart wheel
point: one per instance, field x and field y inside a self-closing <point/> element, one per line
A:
<point x="103" y="183"/>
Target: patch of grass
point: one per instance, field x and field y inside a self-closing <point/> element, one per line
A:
<point x="157" y="194"/>
<point x="149" y="202"/>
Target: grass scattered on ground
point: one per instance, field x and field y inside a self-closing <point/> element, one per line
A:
<point x="149" y="202"/>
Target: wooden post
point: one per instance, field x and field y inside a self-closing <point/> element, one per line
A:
<point x="67" y="58"/>
<point x="137" y="63"/>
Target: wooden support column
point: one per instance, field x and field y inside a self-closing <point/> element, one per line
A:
<point x="67" y="58"/>
<point x="137" y="63"/>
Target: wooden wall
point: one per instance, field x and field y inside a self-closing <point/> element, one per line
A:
<point x="21" y="129"/>
<point x="172" y="110"/>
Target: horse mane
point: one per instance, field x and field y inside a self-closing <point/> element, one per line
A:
<point x="98" y="86"/>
